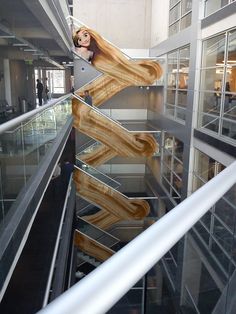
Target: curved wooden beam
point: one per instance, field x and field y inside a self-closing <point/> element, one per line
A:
<point x="92" y="247"/>
<point x="111" y="201"/>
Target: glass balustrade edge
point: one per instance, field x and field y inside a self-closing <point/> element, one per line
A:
<point x="13" y="230"/>
<point x="16" y="121"/>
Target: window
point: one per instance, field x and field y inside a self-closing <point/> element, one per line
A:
<point x="213" y="5"/>
<point x="216" y="228"/>
<point x="172" y="166"/>
<point x="180" y="15"/>
<point x="217" y="98"/>
<point x="177" y="83"/>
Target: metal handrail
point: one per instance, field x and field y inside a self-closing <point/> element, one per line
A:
<point x="97" y="172"/>
<point x="101" y="289"/>
<point x="16" y="121"/>
<point x="59" y="235"/>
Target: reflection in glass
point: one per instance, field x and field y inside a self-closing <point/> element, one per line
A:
<point x="186" y="21"/>
<point x="167" y="159"/>
<point x="22" y="148"/>
<point x="186" y="6"/>
<point x="170" y="110"/>
<point x="172" y="59"/>
<point x="178" y="149"/>
<point x="184" y="56"/>
<point x="206" y="220"/>
<point x="205" y="166"/>
<point x="182" y="99"/>
<point x="213" y="51"/>
<point x="222" y="258"/>
<point x="229" y="128"/>
<point x="213" y="5"/>
<point x="180" y="114"/>
<point x="170" y="97"/>
<point x="211" y="78"/>
<point x="210" y="103"/>
<point x="223" y="236"/>
<point x="209" y="122"/>
<point x="174" y="14"/>
<point x="173" y="29"/>
<point x="197" y="183"/>
<point x="173" y="2"/>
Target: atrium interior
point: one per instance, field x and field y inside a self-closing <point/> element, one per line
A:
<point x="156" y="139"/>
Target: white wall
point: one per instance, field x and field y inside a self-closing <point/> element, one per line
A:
<point x="159" y="21"/>
<point x="126" y="23"/>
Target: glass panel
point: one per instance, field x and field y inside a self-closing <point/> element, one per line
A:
<point x="229" y="128"/>
<point x="174" y="14"/>
<point x="210" y="78"/>
<point x="95" y="233"/>
<point x="186" y="21"/>
<point x="131" y="302"/>
<point x="188" y="302"/>
<point x="172" y="59"/>
<point x="177" y="184"/>
<point x="170" y="110"/>
<point x="210" y="123"/>
<point x="181" y="113"/>
<point x="173" y="2"/>
<point x="166" y="173"/>
<point x="172" y="79"/>
<point x="167" y="159"/>
<point x="213" y="51"/>
<point x="231" y="64"/>
<point x="166" y="184"/>
<point x="22" y="148"/>
<point x="173" y="29"/>
<point x="178" y="149"/>
<point x="204" y="166"/>
<point x="186" y="6"/>
<point x="223" y="236"/>
<point x="220" y="256"/>
<point x="184" y="56"/>
<point x="182" y="99"/>
<point x="213" y="5"/>
<point x="210" y="103"/>
<point x="197" y="183"/>
<point x="97" y="174"/>
<point x="170" y="97"/>
<point x="202" y="232"/>
<point x="206" y="220"/>
<point x="169" y="142"/>
<point x="178" y="168"/>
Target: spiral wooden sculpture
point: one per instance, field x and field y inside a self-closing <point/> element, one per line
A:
<point x="116" y="206"/>
<point x="119" y="73"/>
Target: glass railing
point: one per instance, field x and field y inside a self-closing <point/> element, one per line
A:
<point x="97" y="174"/>
<point x="23" y="146"/>
<point x="198" y="265"/>
<point x="95" y="233"/>
<point x="88" y="148"/>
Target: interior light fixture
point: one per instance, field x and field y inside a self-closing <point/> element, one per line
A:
<point x="7" y="36"/>
<point x="30" y="49"/>
<point x="20" y="45"/>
